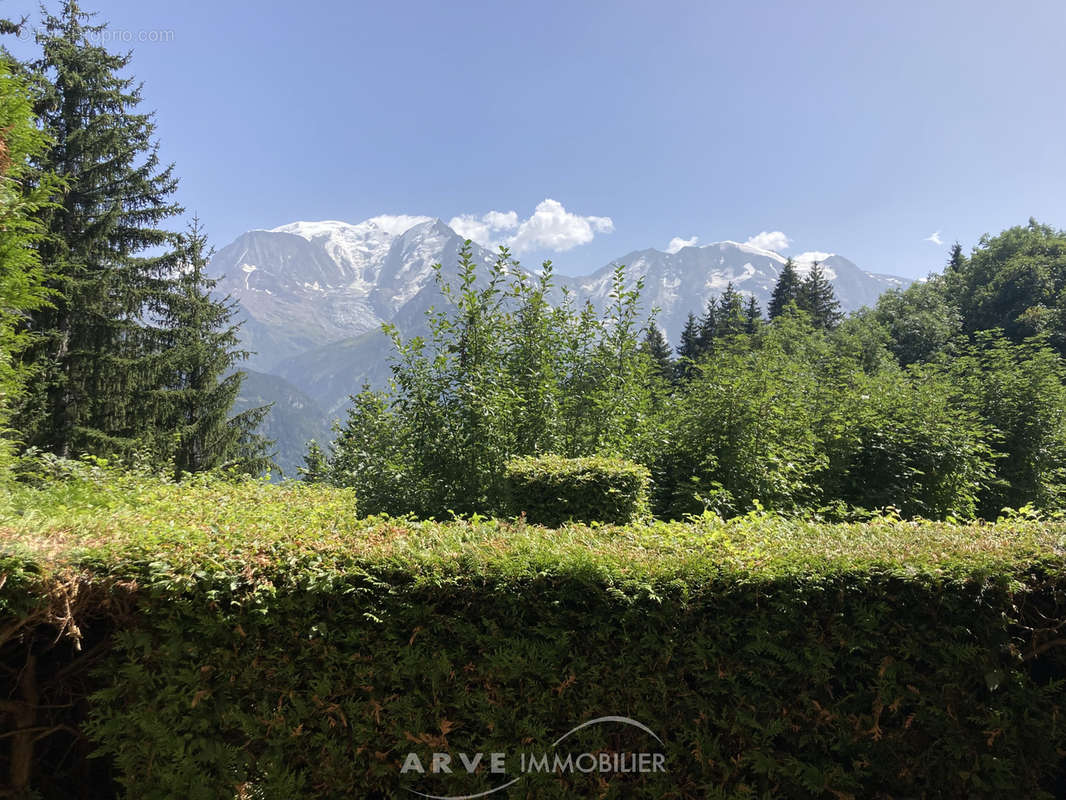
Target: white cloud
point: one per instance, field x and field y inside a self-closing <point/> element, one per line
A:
<point x="677" y="243"/>
<point x="395" y="224"/>
<point x="934" y="238"/>
<point x="769" y="240"/>
<point x="550" y="227"/>
<point x="502" y="220"/>
<point x="483" y="229"/>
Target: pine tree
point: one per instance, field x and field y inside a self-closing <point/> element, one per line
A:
<point x="956" y="261"/>
<point x="197" y="354"/>
<point x="817" y="298"/>
<point x="752" y="316"/>
<point x="708" y="329"/>
<point x="104" y="250"/>
<point x="786" y="290"/>
<point x="688" y="349"/>
<point x="658" y="349"/>
<point x="731" y="320"/>
<point x="316" y="465"/>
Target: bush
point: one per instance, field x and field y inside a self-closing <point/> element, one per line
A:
<point x="742" y="431"/>
<point x="500" y="373"/>
<point x="263" y="643"/>
<point x="896" y="439"/>
<point x="1019" y="393"/>
<point x="551" y="490"/>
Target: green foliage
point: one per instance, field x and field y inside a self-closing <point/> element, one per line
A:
<point x="316" y="464"/>
<point x="804" y="421"/>
<point x="817" y="298"/>
<point x="106" y="255"/>
<point x="896" y="439"/>
<point x="1018" y="391"/>
<point x="689" y="349"/>
<point x="1016" y="282"/>
<point x="502" y="373"/>
<point x="551" y="490"/>
<point x="23" y="193"/>
<point x="786" y="290"/>
<point x="920" y="320"/>
<point x="658" y="351"/>
<point x="197" y="350"/>
<point x="741" y="431"/>
<point x="268" y="643"/>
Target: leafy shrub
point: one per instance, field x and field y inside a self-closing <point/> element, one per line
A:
<point x="500" y="373"/>
<point x="551" y="490"/>
<point x="268" y="644"/>
<point x="1018" y="391"/>
<point x="743" y="429"/>
<point x="897" y="438"/>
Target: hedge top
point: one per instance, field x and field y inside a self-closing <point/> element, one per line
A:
<point x="254" y="532"/>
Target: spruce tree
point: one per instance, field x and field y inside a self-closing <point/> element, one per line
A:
<point x="198" y="350"/>
<point x="688" y="348"/>
<point x="956" y="261"/>
<point x="817" y="298"/>
<point x="786" y="290"/>
<point x="752" y="315"/>
<point x="105" y="253"/>
<point x="658" y="349"/>
<point x="316" y="464"/>
<point x="708" y="329"/>
<point x="731" y="320"/>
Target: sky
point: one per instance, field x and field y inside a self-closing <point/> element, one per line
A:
<point x="582" y="131"/>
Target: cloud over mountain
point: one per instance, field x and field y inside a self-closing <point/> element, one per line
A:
<point x="677" y="243"/>
<point x="769" y="240"/>
<point x="549" y="227"/>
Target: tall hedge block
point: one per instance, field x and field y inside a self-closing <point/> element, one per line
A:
<point x="552" y="490"/>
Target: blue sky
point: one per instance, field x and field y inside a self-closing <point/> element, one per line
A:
<point x="858" y="128"/>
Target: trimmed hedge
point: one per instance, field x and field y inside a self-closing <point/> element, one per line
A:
<point x="552" y="490"/>
<point x="264" y="644"/>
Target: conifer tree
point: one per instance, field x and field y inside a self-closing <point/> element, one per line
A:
<point x="752" y="315"/>
<point x="956" y="261"/>
<point x="708" y="329"/>
<point x="198" y="350"/>
<point x="316" y="465"/>
<point x="23" y="193"/>
<point x="731" y="320"/>
<point x="104" y="253"/>
<point x="658" y="349"/>
<point x="688" y="348"/>
<point x="786" y="290"/>
<point x="817" y="298"/>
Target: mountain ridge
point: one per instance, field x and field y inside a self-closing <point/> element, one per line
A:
<point x="314" y="295"/>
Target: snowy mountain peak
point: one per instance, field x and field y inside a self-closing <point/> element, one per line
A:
<point x="316" y="282"/>
<point x="743" y="247"/>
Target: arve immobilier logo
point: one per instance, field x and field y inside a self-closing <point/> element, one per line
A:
<point x="512" y="769"/>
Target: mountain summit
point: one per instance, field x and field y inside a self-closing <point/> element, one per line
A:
<point x="313" y="295"/>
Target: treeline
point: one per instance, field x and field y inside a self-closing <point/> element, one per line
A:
<point x="946" y="400"/>
<point x="111" y="343"/>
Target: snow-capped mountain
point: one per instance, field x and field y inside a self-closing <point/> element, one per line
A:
<point x="313" y="295"/>
<point x="683" y="282"/>
<point x="307" y="284"/>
